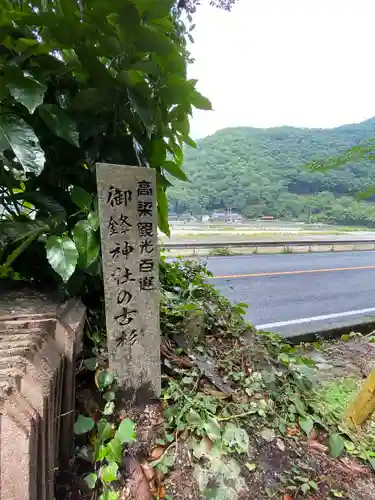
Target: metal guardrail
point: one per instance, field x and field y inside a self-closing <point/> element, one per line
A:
<point x="265" y="244"/>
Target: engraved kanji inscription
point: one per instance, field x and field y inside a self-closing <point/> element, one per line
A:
<point x="146" y="246"/>
<point x="147" y="283"/>
<point x="144" y="208"/>
<point x="127" y="337"/>
<point x="122" y="276"/>
<point x="144" y="188"/>
<point x="126" y="316"/>
<point x="120" y="226"/>
<point x="145" y="229"/>
<point x="125" y="249"/>
<point x="117" y="197"/>
<point x="146" y="265"/>
<point x="124" y="297"/>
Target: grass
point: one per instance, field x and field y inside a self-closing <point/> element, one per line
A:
<point x="337" y="394"/>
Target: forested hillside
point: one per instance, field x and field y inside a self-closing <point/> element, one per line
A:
<point x="262" y="172"/>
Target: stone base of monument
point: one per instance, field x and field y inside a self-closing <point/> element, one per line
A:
<point x="39" y="341"/>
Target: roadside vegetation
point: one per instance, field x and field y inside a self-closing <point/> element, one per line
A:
<point x="242" y="414"/>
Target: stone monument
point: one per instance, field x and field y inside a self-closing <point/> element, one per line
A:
<point x="130" y="256"/>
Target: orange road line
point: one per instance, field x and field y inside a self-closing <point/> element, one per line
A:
<point x="303" y="271"/>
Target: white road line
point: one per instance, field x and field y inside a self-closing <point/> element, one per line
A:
<point x="314" y="318"/>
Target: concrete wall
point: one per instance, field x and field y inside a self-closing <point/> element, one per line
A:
<point x="39" y="341"/>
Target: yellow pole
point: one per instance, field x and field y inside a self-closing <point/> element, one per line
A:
<point x="363" y="405"/>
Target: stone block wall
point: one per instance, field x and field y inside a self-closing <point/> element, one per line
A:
<point x="39" y="341"/>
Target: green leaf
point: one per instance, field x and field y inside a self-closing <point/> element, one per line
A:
<point x="336" y="444"/>
<point x="151" y="41"/>
<point x="105" y="379"/>
<point x="193" y="418"/>
<point x="62" y="255"/>
<point x="60" y="123"/>
<point x="109" y="396"/>
<point x="109" y="495"/>
<point x="91" y="480"/>
<point x="372" y="462"/>
<point x="90" y="363"/>
<point x="83" y="424"/>
<point x="81" y="198"/>
<point x="108" y="473"/>
<point x="199" y="101"/>
<point x="105" y="430"/>
<point x="18" y="136"/>
<point x="305" y="488"/>
<point x="237" y="437"/>
<point x="87" y="244"/>
<point x="306" y="425"/>
<point x="25" y="89"/>
<point x="163" y="211"/>
<point x="109" y="408"/>
<point x="11" y="230"/>
<point x="126" y="431"/>
<point x="114" y="450"/>
<point x="46" y="204"/>
<point x="152" y="9"/>
<point x="174" y="170"/>
<point x="101" y="453"/>
<point x="212" y="429"/>
<point x="93" y="220"/>
<point x="251" y="466"/>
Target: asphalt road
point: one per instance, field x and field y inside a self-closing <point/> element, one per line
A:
<point x="293" y="294"/>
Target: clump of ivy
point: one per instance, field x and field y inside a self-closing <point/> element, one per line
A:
<point x="105" y="439"/>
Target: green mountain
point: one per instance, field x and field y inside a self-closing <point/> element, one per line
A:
<point x="262" y="172"/>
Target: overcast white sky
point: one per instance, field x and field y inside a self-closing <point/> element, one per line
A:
<point x="308" y="63"/>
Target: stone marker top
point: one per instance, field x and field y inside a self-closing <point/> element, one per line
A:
<point x="128" y="223"/>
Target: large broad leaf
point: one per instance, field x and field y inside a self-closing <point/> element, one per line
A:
<point x="163" y="211"/>
<point x="126" y="431"/>
<point x="87" y="243"/>
<point x="25" y="89"/>
<point x="199" y="101"/>
<point x="81" y="198"/>
<point x="83" y="424"/>
<point x="114" y="450"/>
<point x="152" y="9"/>
<point x="62" y="254"/>
<point x="336" y="444"/>
<point x="306" y="424"/>
<point x="12" y="231"/>
<point x="108" y="473"/>
<point x="60" y="123"/>
<point x="175" y="170"/>
<point x="17" y="135"/>
<point x="91" y="480"/>
<point x="46" y="204"/>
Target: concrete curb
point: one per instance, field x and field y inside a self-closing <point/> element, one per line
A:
<point x="364" y="327"/>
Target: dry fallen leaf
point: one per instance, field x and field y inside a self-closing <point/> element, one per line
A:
<point x="162" y="493"/>
<point x="354" y="467"/>
<point x="292" y="431"/>
<point x="157" y="453"/>
<point x="315" y="445"/>
<point x="288" y="497"/>
<point x="139" y="486"/>
<point x="148" y="470"/>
